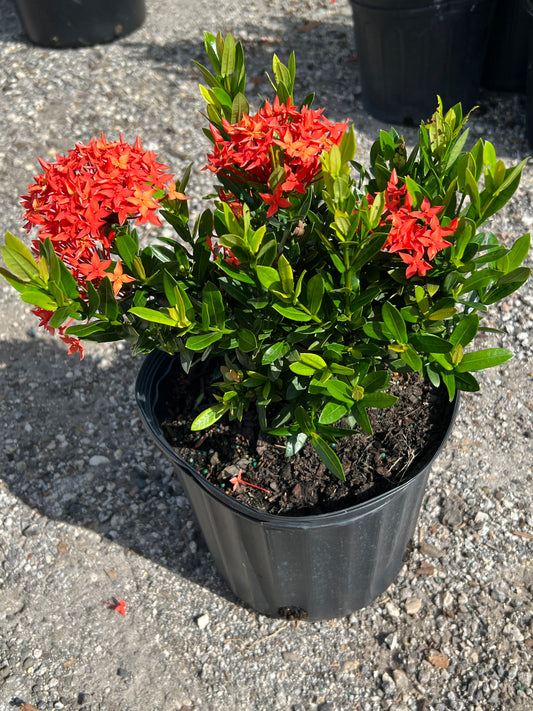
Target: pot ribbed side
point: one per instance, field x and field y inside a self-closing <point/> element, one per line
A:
<point x="314" y="567"/>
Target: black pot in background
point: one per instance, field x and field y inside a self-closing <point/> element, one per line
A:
<point x="528" y="4"/>
<point x="75" y="23"/>
<point x="310" y="567"/>
<point x="506" y="59"/>
<point x="410" y="51"/>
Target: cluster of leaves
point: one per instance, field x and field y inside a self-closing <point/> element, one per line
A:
<point x="308" y="310"/>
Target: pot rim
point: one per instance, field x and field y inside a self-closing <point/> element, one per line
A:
<point x="158" y="364"/>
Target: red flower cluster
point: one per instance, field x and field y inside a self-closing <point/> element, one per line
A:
<point x="415" y="234"/>
<point x="78" y="198"/>
<point x="278" y="136"/>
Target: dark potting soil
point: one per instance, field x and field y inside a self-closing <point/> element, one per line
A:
<point x="404" y="437"/>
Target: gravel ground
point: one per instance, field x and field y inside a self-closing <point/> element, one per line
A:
<point x="91" y="512"/>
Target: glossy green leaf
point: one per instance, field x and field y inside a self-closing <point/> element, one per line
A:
<point x="313" y="360"/>
<point x="227" y="62"/>
<point x="39" y="298"/>
<point x="19" y="259"/>
<point x="127" y="247"/>
<point x="378" y="399"/>
<point x="301" y="369"/>
<point x="152" y="315"/>
<point x="209" y="417"/>
<point x="327" y="456"/>
<point x="295" y="442"/>
<point x="272" y="353"/>
<point x="412" y="359"/>
<point x="465" y="331"/>
<point x="394" y="322"/>
<point x="486" y="358"/>
<point x="332" y="412"/>
<point x="286" y="275"/>
<point x="201" y="342"/>
<point x="315" y="293"/>
<point x="428" y="343"/>
<point x="292" y="313"/>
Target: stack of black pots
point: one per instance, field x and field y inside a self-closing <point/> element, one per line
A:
<point x="410" y="51"/>
<point x="78" y="23"/>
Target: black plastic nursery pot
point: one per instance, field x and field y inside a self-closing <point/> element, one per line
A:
<point x="75" y="23"/>
<point x="307" y="567"/>
<point x="410" y="51"/>
<point x="506" y="59"/>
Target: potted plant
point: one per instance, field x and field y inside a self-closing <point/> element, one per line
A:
<point x="316" y="301"/>
<point x="75" y="23"/>
<point x="411" y="50"/>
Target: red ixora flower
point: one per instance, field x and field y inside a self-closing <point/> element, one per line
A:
<point x="278" y="135"/>
<point x="415" y="234"/>
<point x="78" y="198"/>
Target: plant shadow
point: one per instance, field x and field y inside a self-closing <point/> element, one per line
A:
<point x="75" y="451"/>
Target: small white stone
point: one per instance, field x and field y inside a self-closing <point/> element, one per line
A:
<point x="413" y="605"/>
<point x="97" y="460"/>
<point x="392" y="609"/>
<point x="202" y="621"/>
<point x="513" y="632"/>
<point x="447" y="599"/>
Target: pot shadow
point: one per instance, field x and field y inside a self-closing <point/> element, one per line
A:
<point x="75" y="451"/>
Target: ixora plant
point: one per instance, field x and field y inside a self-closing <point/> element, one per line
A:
<point x="310" y="287"/>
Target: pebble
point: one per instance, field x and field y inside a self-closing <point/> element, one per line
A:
<point x="202" y="621"/>
<point x="393" y="609"/>
<point x="98" y="460"/>
<point x="400" y="679"/>
<point x="513" y="632"/>
<point x="413" y="605"/>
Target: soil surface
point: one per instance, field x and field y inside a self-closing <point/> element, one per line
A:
<point x="251" y="465"/>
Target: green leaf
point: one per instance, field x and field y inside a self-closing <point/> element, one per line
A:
<point x="201" y="342"/>
<point x="394" y="322"/>
<point x="315" y="293"/>
<point x="268" y="276"/>
<point x="295" y="442"/>
<point x="87" y="329"/>
<point x="68" y="284"/>
<point x="19" y="259"/>
<point x="378" y="399"/>
<point x="301" y="369"/>
<point x="465" y="331"/>
<point x="449" y="381"/>
<point x="428" y="343"/>
<point x="208" y="417"/>
<point x="273" y="353"/>
<point x="152" y="315"/>
<point x="292" y="313"/>
<point x="108" y="303"/>
<point x="39" y="298"/>
<point x="507" y="285"/>
<point x="127" y="247"/>
<point x="313" y="360"/>
<point x="332" y="412"/>
<point x="227" y="63"/>
<point x="516" y="254"/>
<point x="412" y="359"/>
<point x="486" y="358"/>
<point x="247" y="340"/>
<point x="327" y="456"/>
<point x="213" y="305"/>
<point x="286" y="275"/>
